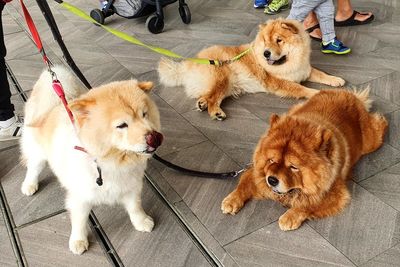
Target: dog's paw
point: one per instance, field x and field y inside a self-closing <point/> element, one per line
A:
<point x="29" y="189"/>
<point x="231" y="204"/>
<point x="336" y="81"/>
<point x="202" y="104"/>
<point x="290" y="221"/>
<point x="78" y="246"/>
<point x="218" y="115"/>
<point x="144" y="224"/>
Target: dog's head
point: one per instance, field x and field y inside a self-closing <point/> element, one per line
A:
<point x="295" y="156"/>
<point x="279" y="40"/>
<point x="119" y="116"/>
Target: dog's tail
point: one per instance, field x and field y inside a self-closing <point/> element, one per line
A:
<point x="170" y="72"/>
<point x="43" y="98"/>
<point x="363" y="96"/>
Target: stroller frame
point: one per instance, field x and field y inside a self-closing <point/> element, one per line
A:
<point x="155" y="22"/>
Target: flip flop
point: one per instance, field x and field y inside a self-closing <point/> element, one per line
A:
<point x="352" y="21"/>
<point x="311" y="29"/>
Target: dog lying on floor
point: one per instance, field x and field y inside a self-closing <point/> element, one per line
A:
<point x="117" y="124"/>
<point x="279" y="59"/>
<point x="306" y="156"/>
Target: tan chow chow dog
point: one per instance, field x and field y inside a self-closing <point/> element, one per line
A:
<point x="279" y="59"/>
<point x="117" y="124"/>
<point x="305" y="158"/>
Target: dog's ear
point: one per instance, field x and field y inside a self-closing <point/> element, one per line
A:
<point x="146" y="86"/>
<point x="81" y="108"/>
<point x="325" y="143"/>
<point x="273" y="119"/>
<point x="290" y="26"/>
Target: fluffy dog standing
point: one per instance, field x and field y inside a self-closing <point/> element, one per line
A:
<point x="306" y="156"/>
<point x="117" y="124"/>
<point x="279" y="59"/>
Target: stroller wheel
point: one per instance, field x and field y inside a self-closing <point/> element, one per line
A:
<point x="185" y="13"/>
<point x="154" y="24"/>
<point x="97" y="15"/>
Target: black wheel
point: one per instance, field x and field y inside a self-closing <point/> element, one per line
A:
<point x="97" y="15"/>
<point x="154" y="24"/>
<point x="184" y="11"/>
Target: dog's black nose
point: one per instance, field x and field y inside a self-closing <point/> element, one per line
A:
<point x="273" y="181"/>
<point x="267" y="54"/>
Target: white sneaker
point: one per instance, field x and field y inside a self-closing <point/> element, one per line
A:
<point x="13" y="131"/>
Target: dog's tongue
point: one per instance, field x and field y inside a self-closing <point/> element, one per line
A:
<point x="270" y="61"/>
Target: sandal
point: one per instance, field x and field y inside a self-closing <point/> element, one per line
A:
<point x="352" y="21"/>
<point x="311" y="29"/>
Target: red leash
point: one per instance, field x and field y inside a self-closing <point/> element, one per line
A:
<point x="56" y="84"/>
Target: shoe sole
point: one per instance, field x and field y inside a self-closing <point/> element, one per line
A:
<point x="282" y="8"/>
<point x="336" y="52"/>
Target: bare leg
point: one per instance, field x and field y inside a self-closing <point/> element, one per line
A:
<point x="140" y="220"/>
<point x="78" y="242"/>
<point x="321" y="77"/>
<point x="345" y="10"/>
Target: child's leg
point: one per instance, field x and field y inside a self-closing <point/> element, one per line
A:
<point x="325" y="14"/>
<point x="301" y="8"/>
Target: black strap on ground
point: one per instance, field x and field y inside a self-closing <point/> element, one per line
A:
<point x="48" y="15"/>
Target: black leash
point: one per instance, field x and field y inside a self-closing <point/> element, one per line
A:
<point x="48" y="15"/>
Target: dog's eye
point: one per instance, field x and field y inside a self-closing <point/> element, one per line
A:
<point x="271" y="161"/>
<point x="122" y="125"/>
<point x="144" y="114"/>
<point x="278" y="40"/>
<point x="294" y="168"/>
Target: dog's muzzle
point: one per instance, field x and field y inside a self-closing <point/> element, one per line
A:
<point x="270" y="61"/>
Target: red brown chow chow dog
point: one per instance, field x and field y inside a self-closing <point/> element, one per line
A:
<point x="305" y="158"/>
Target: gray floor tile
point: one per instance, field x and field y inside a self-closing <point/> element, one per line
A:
<point x="48" y="200"/>
<point x="366" y="228"/>
<point x="385" y="86"/>
<point x="386" y="186"/>
<point x="393" y="135"/>
<point x="46" y="244"/>
<point x="7" y="257"/>
<point x="389" y="258"/>
<point x="19" y="45"/>
<point x="271" y="246"/>
<point x="9" y="157"/>
<point x="166" y="245"/>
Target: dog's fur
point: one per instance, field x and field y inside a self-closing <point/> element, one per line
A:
<point x="121" y="152"/>
<point x="305" y="158"/>
<point x="279" y="59"/>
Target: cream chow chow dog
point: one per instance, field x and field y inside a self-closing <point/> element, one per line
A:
<point x="278" y="60"/>
<point x="117" y="124"/>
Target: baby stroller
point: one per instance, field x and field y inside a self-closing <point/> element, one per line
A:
<point x="139" y="8"/>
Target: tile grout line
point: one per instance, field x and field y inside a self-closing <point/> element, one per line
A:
<point x="16" y="84"/>
<point x="10" y="225"/>
<point x="209" y="256"/>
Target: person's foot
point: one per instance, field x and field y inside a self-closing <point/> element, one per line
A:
<point x="352" y="17"/>
<point x="334" y="47"/>
<point x="311" y="25"/>
<point x="12" y="131"/>
<point x="260" y="3"/>
<point x="276" y="6"/>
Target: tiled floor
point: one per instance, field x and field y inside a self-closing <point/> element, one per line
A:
<point x="190" y="228"/>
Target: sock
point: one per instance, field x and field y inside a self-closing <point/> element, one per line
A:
<point x="330" y="41"/>
<point x="7" y="123"/>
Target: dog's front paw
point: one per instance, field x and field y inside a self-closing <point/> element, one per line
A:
<point x="202" y="104"/>
<point x="29" y="189"/>
<point x="218" y="115"/>
<point x="336" y="81"/>
<point x="231" y="204"/>
<point x="290" y="221"/>
<point x="144" y="224"/>
<point x="78" y="246"/>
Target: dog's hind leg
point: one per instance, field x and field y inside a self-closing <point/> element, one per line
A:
<point x="35" y="163"/>
<point x="140" y="220"/>
<point x="373" y="132"/>
<point x="318" y="76"/>
<point x="79" y="211"/>
<point x="213" y="99"/>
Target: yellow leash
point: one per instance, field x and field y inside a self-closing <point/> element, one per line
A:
<point x="159" y="50"/>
